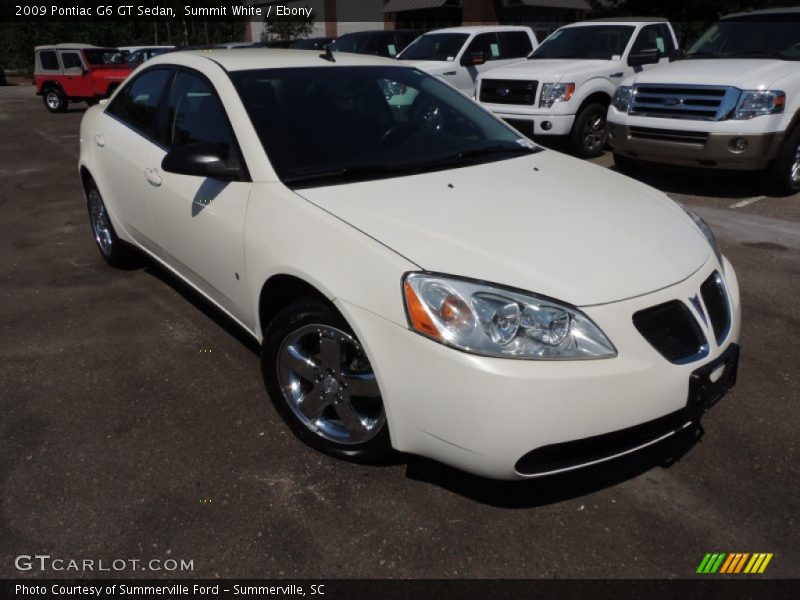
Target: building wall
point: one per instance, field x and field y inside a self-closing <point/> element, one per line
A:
<point x="332" y="17"/>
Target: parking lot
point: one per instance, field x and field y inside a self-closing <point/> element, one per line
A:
<point x="136" y="426"/>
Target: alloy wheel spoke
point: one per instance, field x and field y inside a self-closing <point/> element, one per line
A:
<point x="312" y="404"/>
<point x="330" y="352"/>
<point x="297" y="361"/>
<point x="349" y="417"/>
<point x="363" y="385"/>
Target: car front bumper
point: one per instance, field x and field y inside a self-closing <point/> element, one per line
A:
<point x="485" y="415"/>
<point x="532" y="121"/>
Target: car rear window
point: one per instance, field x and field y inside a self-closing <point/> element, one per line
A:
<point x="48" y="60"/>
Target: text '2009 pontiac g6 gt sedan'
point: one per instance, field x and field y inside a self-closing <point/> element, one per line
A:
<point x="420" y="277"/>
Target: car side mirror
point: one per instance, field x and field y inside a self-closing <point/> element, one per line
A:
<point x="650" y="56"/>
<point x="203" y="159"/>
<point x="473" y="59"/>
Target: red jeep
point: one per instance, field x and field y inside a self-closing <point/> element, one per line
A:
<point x="67" y="73"/>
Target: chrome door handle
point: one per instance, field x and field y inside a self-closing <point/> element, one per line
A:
<point x="100" y="140"/>
<point x="152" y="177"/>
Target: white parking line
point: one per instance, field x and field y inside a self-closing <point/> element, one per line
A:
<point x="747" y="202"/>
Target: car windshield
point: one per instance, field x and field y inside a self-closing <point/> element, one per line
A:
<point x="775" y="37"/>
<point x="104" y="57"/>
<point x="323" y="125"/>
<point x="435" y="46"/>
<point x="597" y="42"/>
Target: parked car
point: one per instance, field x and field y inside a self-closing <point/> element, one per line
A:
<point x="731" y="101"/>
<point x="67" y="73"/>
<point x="566" y="85"/>
<point x="378" y="43"/>
<point x="317" y="43"/>
<point x="459" y="54"/>
<point x="451" y="291"/>
<point x="270" y="44"/>
<point x="136" y="55"/>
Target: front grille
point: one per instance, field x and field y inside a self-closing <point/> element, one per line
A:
<point x="673" y="331"/>
<point x="705" y="103"/>
<point x="716" y="300"/>
<point x="523" y="126"/>
<point x="670" y="135"/>
<point x="601" y="447"/>
<point x="508" y="91"/>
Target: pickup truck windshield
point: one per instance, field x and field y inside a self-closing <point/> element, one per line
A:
<point x="323" y="125"/>
<point x="598" y="42"/>
<point x="750" y="38"/>
<point x="435" y="46"/>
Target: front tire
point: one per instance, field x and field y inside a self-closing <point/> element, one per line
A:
<point x="115" y="252"/>
<point x="321" y="383"/>
<point x="590" y="131"/>
<point x="783" y="176"/>
<point x="54" y="100"/>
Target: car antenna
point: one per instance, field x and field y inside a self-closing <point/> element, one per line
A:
<point x="328" y="53"/>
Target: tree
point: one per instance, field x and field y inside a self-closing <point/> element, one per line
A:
<point x="286" y="28"/>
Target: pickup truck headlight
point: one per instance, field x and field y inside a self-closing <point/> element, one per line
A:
<point x="706" y="230"/>
<point x="622" y="98"/>
<point x="754" y="103"/>
<point x="491" y="321"/>
<point x="555" y="92"/>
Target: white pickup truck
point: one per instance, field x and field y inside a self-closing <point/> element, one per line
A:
<point x="565" y="86"/>
<point x="731" y="101"/>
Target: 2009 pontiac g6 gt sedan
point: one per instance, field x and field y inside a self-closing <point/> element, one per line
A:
<point x="419" y="276"/>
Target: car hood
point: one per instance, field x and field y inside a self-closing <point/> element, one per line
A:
<point x="744" y="73"/>
<point x="552" y="69"/>
<point x="546" y="223"/>
<point x="434" y="67"/>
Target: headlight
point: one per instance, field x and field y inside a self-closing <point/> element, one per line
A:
<point x="622" y="98"/>
<point x="703" y="226"/>
<point x="491" y="321"/>
<point x="555" y="92"/>
<point x="754" y="103"/>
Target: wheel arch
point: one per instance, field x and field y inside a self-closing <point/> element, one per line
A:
<point x="596" y="97"/>
<point x="49" y="83"/>
<point x="280" y="290"/>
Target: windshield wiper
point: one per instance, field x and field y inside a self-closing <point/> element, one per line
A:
<point x="487" y="151"/>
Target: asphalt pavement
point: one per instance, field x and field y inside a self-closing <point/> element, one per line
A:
<point x="135" y="424"/>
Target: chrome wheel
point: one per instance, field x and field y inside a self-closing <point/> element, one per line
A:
<point x="595" y="133"/>
<point x="53" y="100"/>
<point x="795" y="173"/>
<point x="101" y="225"/>
<point x="329" y="385"/>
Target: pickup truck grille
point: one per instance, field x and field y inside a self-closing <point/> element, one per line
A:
<point x="670" y="135"/>
<point x="702" y="103"/>
<point x="508" y="91"/>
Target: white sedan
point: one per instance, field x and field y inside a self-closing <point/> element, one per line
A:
<point x="419" y="276"/>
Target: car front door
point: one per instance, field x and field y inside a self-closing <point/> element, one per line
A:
<point x="121" y="141"/>
<point x="488" y="45"/>
<point x="77" y="80"/>
<point x="200" y="220"/>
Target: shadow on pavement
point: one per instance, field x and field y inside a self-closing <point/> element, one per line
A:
<point x="556" y="488"/>
<point x="699" y="182"/>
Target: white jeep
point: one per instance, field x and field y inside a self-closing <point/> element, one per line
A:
<point x="565" y="86"/>
<point x="731" y="101"/>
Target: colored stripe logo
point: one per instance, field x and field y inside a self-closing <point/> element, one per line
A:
<point x="734" y="563"/>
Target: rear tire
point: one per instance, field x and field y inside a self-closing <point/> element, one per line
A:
<point x="319" y="379"/>
<point x="54" y="100"/>
<point x="116" y="253"/>
<point x="783" y="175"/>
<point x="590" y="131"/>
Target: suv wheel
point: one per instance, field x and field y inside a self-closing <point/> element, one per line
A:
<point x="783" y="176"/>
<point x="590" y="131"/>
<point x="321" y="382"/>
<point x="55" y="100"/>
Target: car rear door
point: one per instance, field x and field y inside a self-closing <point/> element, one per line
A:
<point x="200" y="220"/>
<point x="122" y="138"/>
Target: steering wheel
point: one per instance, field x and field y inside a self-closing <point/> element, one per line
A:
<point x="429" y="114"/>
<point x="396" y="134"/>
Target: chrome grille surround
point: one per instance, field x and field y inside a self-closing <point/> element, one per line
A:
<point x="693" y="102"/>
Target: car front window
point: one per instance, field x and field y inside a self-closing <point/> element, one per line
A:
<point x="329" y="125"/>
<point x="595" y="42"/>
<point x="750" y="38"/>
<point x="435" y="46"/>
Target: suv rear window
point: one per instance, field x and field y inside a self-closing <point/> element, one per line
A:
<point x="48" y="60"/>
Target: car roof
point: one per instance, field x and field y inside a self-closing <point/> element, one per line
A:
<point x="481" y="29"/>
<point x="272" y="58"/>
<point x="72" y="47"/>
<point x="625" y="20"/>
<point x="793" y="10"/>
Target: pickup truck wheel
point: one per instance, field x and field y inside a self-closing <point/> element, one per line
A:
<point x="321" y="382"/>
<point x="115" y="252"/>
<point x="54" y="100"/>
<point x="590" y="131"/>
<point x="783" y="176"/>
